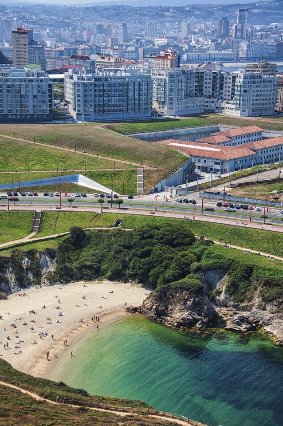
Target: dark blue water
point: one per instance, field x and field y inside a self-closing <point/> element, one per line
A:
<point x="230" y="381"/>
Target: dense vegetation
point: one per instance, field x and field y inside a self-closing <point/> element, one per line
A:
<point x="159" y="256"/>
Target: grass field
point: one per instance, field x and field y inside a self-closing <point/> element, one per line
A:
<point x="57" y="222"/>
<point x="266" y="241"/>
<point x="155" y="126"/>
<point x="14" y="225"/>
<point x="97" y="140"/>
<point x="264" y="123"/>
<point x="205" y="120"/>
<point x="21" y="156"/>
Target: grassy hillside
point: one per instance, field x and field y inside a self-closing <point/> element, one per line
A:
<point x="17" y="409"/>
<point x="23" y="156"/>
<point x="96" y="140"/>
<point x="266" y="241"/>
<point x="155" y="126"/>
<point x="14" y="225"/>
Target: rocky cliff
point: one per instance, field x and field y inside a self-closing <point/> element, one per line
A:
<point x="210" y="306"/>
<point x="23" y="270"/>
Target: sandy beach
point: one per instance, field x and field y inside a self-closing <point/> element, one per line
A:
<point x="38" y="326"/>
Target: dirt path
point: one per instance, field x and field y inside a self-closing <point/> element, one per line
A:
<point x="87" y="154"/>
<point x="164" y="418"/>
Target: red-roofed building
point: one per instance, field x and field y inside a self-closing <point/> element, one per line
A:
<point x="235" y="137"/>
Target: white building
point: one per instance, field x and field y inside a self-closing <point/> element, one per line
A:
<point x="108" y="96"/>
<point x="25" y="96"/>
<point x="255" y="95"/>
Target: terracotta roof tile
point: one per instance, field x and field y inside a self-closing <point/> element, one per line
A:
<point x="265" y="143"/>
<point x="240" y="131"/>
<point x="196" y="149"/>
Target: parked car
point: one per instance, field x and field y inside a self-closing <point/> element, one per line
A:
<point x="281" y="211"/>
<point x="30" y="194"/>
<point x="257" y="209"/>
<point x="14" y="198"/>
<point x="23" y="194"/>
<point x="35" y="194"/>
<point x="56" y="194"/>
<point x="244" y="207"/>
<point x="237" y="206"/>
<point x="230" y="209"/>
<point x="77" y="194"/>
<point x="46" y="194"/>
<point x="250" y="208"/>
<point x="219" y="204"/>
<point x="15" y="194"/>
<point x="83" y="194"/>
<point x="193" y="201"/>
<point x="225" y="204"/>
<point x="10" y="194"/>
<point x="208" y="209"/>
<point x="115" y="196"/>
<point x="130" y="197"/>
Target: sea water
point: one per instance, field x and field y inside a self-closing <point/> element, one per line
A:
<point x="230" y="380"/>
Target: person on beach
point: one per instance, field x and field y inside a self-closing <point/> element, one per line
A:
<point x="71" y="354"/>
<point x="47" y="355"/>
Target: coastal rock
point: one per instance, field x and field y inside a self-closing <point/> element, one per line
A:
<point x="179" y="308"/>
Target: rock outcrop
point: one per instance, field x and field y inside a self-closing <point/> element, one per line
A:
<point x="211" y="306"/>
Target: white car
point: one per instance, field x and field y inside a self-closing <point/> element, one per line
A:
<point x="257" y="209"/>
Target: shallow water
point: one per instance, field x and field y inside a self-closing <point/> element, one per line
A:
<point x="220" y="381"/>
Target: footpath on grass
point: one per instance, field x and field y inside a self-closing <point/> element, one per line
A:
<point x="31" y="239"/>
<point x="87" y="154"/>
<point x="165" y="417"/>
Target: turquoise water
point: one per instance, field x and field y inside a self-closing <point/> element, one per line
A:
<point x="227" y="381"/>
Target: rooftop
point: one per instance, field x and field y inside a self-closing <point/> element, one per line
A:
<point x="196" y="149"/>
<point x="265" y="143"/>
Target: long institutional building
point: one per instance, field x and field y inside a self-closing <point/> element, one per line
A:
<point x="230" y="150"/>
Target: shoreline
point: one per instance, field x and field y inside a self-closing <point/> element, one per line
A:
<point x="75" y="337"/>
<point x="35" y="323"/>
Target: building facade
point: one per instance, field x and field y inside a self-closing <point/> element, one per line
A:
<point x="25" y="96"/>
<point x="27" y="51"/>
<point x="108" y="96"/>
<point x="255" y="95"/>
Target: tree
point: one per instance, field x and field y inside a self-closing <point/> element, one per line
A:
<point x="119" y="202"/>
<point x="77" y="235"/>
<point x="101" y="201"/>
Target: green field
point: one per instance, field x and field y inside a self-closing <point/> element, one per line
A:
<point x="57" y="222"/>
<point x="205" y="120"/>
<point x="15" y="225"/>
<point x="98" y="140"/>
<point x="22" y="157"/>
<point x="156" y="126"/>
<point x="265" y="241"/>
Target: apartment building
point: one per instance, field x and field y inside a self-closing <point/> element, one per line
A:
<point x="108" y="96"/>
<point x="26" y="50"/>
<point x="25" y="96"/>
<point x="190" y="91"/>
<point x="254" y="96"/>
